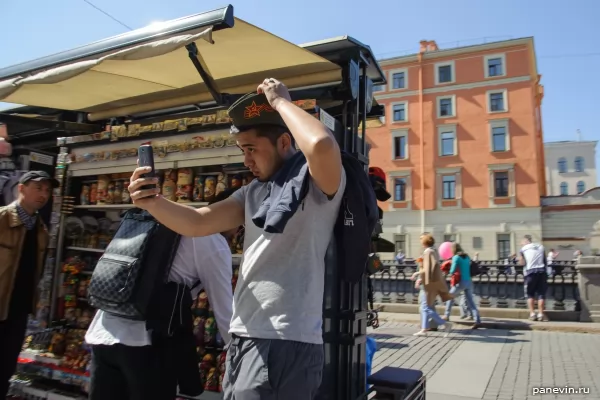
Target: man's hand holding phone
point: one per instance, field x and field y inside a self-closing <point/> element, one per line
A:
<point x="142" y="196"/>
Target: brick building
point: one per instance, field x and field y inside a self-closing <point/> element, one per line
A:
<point x="462" y="146"/>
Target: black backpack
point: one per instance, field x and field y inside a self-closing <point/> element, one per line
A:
<point x="134" y="266"/>
<point x="475" y="268"/>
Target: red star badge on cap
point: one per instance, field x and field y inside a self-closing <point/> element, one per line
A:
<point x="252" y="111"/>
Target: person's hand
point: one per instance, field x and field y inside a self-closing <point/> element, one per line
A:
<point x="275" y="91"/>
<point x="418" y="284"/>
<point x="142" y="198"/>
<point x="414" y="276"/>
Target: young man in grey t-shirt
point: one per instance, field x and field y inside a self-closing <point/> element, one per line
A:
<point x="277" y="348"/>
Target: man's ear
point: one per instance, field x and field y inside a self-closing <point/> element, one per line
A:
<point x="286" y="142"/>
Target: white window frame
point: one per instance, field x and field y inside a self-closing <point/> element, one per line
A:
<point x="392" y="176"/>
<point x="452" y="70"/>
<point x="439" y="108"/>
<point x="440" y="173"/>
<point x="499" y="123"/>
<point x="447" y="128"/>
<point x="489" y="103"/>
<point x="486" y="69"/>
<point x="391" y="79"/>
<point x="512" y="186"/>
<point x="399" y="133"/>
<point x="405" y="112"/>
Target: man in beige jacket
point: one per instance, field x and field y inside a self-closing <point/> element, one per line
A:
<point x="23" y="242"/>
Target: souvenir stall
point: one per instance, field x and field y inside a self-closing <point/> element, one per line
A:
<point x="196" y="159"/>
<point x="170" y="86"/>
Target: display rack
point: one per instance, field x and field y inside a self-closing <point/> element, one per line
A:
<point x="195" y="166"/>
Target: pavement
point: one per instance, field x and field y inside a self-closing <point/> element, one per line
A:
<point x="493" y="364"/>
<point x="506" y="324"/>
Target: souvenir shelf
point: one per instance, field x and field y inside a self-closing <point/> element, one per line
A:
<point x="193" y="168"/>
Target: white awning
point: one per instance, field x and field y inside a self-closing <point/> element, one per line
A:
<point x="159" y="74"/>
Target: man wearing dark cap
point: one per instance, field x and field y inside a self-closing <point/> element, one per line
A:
<point x="289" y="212"/>
<point x="23" y="241"/>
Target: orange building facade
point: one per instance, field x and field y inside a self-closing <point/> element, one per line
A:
<point x="462" y="145"/>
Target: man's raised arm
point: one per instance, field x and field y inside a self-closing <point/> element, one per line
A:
<point x="186" y="221"/>
<point x="314" y="139"/>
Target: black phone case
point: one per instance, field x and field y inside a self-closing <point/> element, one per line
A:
<point x="146" y="159"/>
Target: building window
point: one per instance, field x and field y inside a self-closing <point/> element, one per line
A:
<point x="444" y="72"/>
<point x="499" y="138"/>
<point x="495" y="65"/>
<point x="499" y="135"/>
<point x="399" y="112"/>
<point x="564" y="189"/>
<point x="400" y="145"/>
<point x="400" y="241"/>
<point x="503" y="243"/>
<point x="400" y="189"/>
<point x="446" y="106"/>
<point x="398" y="80"/>
<point x="501" y="184"/>
<point x="378" y="88"/>
<point x="562" y="165"/>
<point x="497" y="102"/>
<point x="580" y="187"/>
<point x="477" y="242"/>
<point x="447" y="143"/>
<point x="450" y="238"/>
<point x="579" y="164"/>
<point x="449" y="187"/>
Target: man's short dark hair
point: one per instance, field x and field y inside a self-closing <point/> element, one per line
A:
<point x="271" y="132"/>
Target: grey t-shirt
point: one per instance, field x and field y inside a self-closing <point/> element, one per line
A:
<point x="279" y="293"/>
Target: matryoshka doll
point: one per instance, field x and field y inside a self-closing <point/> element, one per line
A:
<point x="184" y="185"/>
<point x="236" y="181"/>
<point x="102" y="194"/>
<point x="85" y="195"/>
<point x="93" y="193"/>
<point x="198" y="194"/>
<point x="110" y="193"/>
<point x="210" y="184"/>
<point x="212" y="380"/>
<point x="221" y="183"/>
<point x="169" y="186"/>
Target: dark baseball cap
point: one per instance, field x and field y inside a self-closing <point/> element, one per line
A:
<point x="38" y="176"/>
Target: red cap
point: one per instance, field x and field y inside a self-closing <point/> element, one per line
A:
<point x="378" y="172"/>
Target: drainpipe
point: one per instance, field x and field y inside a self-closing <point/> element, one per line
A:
<point x="421" y="140"/>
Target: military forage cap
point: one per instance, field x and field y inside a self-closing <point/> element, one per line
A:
<point x="250" y="110"/>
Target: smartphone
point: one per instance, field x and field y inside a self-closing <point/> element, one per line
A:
<point x="146" y="159"/>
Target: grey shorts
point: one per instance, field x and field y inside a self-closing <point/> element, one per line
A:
<point x="263" y="369"/>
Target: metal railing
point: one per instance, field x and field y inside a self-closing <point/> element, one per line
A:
<point x="500" y="285"/>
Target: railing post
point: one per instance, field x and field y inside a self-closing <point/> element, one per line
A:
<point x="589" y="288"/>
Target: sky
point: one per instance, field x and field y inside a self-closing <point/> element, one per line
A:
<point x="566" y="35"/>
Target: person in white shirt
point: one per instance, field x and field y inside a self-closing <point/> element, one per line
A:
<point x="552" y="255"/>
<point x="125" y="365"/>
<point x="536" y="277"/>
<point x="400" y="257"/>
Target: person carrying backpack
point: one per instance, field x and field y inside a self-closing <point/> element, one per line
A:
<point x="289" y="211"/>
<point x="131" y="359"/>
<point x="462" y="263"/>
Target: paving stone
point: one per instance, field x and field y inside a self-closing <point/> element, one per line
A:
<point x="528" y="359"/>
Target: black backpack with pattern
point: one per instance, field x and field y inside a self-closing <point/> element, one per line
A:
<point x="134" y="267"/>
